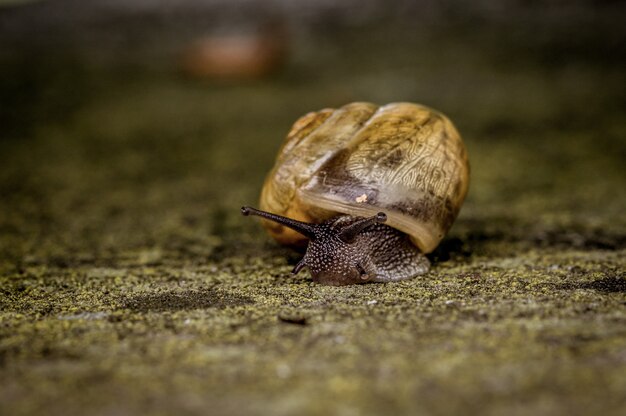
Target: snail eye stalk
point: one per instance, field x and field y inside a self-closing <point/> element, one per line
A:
<point x="349" y="233"/>
<point x="306" y="229"/>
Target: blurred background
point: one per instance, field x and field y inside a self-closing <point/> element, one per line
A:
<point x="157" y="116"/>
<point x="131" y="132"/>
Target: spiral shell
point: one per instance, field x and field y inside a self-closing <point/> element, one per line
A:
<point x="401" y="158"/>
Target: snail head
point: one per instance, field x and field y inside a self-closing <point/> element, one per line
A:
<point x="336" y="254"/>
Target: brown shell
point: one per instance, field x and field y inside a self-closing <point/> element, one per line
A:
<point x="401" y="158"/>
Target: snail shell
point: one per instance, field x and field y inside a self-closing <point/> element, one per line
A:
<point x="401" y="158"/>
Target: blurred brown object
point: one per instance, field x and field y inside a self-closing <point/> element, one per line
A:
<point x="237" y="55"/>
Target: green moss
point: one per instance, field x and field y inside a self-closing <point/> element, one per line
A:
<point x="129" y="282"/>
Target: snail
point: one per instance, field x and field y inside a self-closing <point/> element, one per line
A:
<point x="373" y="190"/>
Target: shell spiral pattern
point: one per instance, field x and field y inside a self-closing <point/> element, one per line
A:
<point x="402" y="158"/>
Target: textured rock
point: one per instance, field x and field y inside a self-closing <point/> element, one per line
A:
<point x="130" y="283"/>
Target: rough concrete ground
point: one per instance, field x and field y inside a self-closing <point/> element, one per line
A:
<point x="130" y="283"/>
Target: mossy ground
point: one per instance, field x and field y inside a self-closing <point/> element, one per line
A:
<point x="130" y="283"/>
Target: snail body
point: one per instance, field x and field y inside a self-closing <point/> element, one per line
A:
<point x="395" y="176"/>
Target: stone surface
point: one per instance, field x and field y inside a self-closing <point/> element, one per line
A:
<point x="130" y="283"/>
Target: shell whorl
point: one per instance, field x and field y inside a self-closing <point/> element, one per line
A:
<point x="402" y="158"/>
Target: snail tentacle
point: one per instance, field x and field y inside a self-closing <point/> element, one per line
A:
<point x="298" y="266"/>
<point x="349" y="233"/>
<point x="306" y="229"/>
